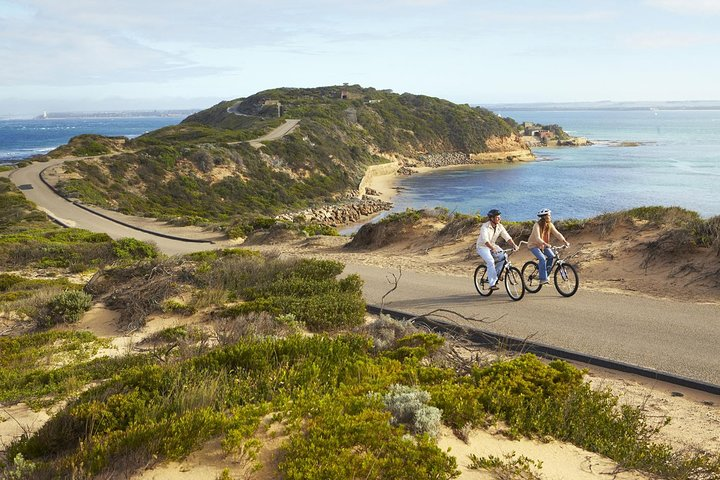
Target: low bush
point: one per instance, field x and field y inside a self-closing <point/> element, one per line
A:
<point x="417" y="346"/>
<point x="315" y="229"/>
<point x="408" y="406"/>
<point x="8" y="280"/>
<point x="41" y="369"/>
<point x="324" y="311"/>
<point x="130" y="248"/>
<point x="521" y="467"/>
<point x="358" y="441"/>
<point x="66" y="307"/>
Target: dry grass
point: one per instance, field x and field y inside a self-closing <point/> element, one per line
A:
<point x="228" y="331"/>
<point x="138" y="290"/>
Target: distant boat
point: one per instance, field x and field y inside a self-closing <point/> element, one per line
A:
<point x="42" y="117"/>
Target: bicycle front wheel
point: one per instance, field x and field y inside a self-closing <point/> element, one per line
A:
<point x="531" y="277"/>
<point x="514" y="283"/>
<point x="566" y="280"/>
<point x="482" y="285"/>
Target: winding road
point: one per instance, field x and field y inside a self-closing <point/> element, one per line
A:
<point x="661" y="335"/>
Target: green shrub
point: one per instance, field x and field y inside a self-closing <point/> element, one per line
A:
<point x="314" y="229"/>
<point x="176" y="306"/>
<point x="417" y="346"/>
<point x="317" y="312"/>
<point x="66" y="307"/>
<point x="130" y="248"/>
<point x="8" y="280"/>
<point x="409" y="216"/>
<point x="360" y="442"/>
<point x="43" y="368"/>
<point x="21" y="469"/>
<point x="507" y="467"/>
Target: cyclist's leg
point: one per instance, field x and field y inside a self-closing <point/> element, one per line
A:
<point x="542" y="264"/>
<point x="487" y="257"/>
<point x="550" y="259"/>
<point x="500" y="259"/>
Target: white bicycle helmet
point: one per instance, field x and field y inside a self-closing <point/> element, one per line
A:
<point x="543" y="212"/>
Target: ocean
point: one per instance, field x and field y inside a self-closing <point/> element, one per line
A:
<point x="672" y="158"/>
<point x="21" y="139"/>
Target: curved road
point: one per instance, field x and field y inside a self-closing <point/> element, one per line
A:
<point x="69" y="214"/>
<point x="677" y="338"/>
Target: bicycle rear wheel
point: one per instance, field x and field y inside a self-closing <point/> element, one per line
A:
<point x="482" y="285"/>
<point x="531" y="277"/>
<point x="566" y="280"/>
<point x="514" y="283"/>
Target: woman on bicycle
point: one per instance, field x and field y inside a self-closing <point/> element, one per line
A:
<point x="539" y="243"/>
<point x="488" y="249"/>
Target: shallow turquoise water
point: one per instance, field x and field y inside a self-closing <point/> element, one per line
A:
<point x="676" y="164"/>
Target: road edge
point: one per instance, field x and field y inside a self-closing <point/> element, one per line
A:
<point x="490" y="339"/>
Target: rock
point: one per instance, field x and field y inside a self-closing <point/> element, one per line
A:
<point x="445" y="159"/>
<point x="341" y="213"/>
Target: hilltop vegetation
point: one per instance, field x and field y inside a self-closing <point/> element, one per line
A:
<point x="200" y="171"/>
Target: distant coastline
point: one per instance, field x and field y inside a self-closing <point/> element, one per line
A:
<point x="605" y="105"/>
<point x="118" y="114"/>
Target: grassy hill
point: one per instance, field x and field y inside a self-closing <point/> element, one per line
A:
<point x="201" y="171"/>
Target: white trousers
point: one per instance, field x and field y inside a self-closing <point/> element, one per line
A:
<point x="490" y="258"/>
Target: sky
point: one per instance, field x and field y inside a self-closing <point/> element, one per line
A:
<point x="89" y="55"/>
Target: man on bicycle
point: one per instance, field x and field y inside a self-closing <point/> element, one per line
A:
<point x="488" y="249"/>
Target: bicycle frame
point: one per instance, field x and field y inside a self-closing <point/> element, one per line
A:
<point x="563" y="272"/>
<point x="510" y="275"/>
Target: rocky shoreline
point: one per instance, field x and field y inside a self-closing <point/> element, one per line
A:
<point x="343" y="213"/>
<point x="372" y="198"/>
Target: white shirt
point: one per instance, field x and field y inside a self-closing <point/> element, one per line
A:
<point x="489" y="232"/>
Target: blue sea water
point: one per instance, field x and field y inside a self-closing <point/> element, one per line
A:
<point x="23" y="138"/>
<point x="677" y="163"/>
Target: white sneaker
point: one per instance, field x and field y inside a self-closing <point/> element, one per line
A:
<point x="544" y="282"/>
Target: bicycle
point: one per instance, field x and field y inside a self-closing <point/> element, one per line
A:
<point x="565" y="276"/>
<point x="513" y="278"/>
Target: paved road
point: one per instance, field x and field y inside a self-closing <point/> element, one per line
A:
<point x="276" y="133"/>
<point x="677" y="338"/>
<point x="69" y="214"/>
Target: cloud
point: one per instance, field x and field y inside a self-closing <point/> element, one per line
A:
<point x="695" y="7"/>
<point x="55" y="56"/>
